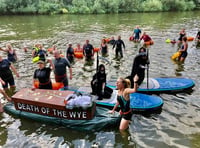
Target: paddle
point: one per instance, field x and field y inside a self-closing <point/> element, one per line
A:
<point x="97" y="66"/>
<point x="148" y="69"/>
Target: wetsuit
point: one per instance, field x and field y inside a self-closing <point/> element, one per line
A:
<point x="43" y="75"/>
<point x="198" y="35"/>
<point x="183" y="53"/>
<point x="181" y="36"/>
<point x="125" y="111"/>
<point x="6" y="74"/>
<point x="97" y="83"/>
<point x="88" y="51"/>
<point x="137" y="34"/>
<point x="111" y="42"/>
<point x="104" y="50"/>
<point x="119" y="43"/>
<point x="70" y="54"/>
<point x="138" y="68"/>
<point x="12" y="56"/>
<point x="42" y="54"/>
<point x="60" y="70"/>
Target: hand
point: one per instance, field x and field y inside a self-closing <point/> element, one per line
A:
<point x="70" y="77"/>
<point x="102" y="92"/>
<point x="136" y="78"/>
<point x="9" y="99"/>
<point x="17" y="74"/>
<point x="25" y="49"/>
<point x="2" y="82"/>
<point x="111" y="111"/>
<point x="33" y="88"/>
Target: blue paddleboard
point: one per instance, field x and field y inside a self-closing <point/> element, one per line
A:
<point x="138" y="101"/>
<point x="167" y="85"/>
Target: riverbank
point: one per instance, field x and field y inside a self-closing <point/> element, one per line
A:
<point x="94" y="7"/>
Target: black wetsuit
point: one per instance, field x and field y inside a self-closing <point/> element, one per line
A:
<point x="88" y="51"/>
<point x="97" y="83"/>
<point x="12" y="56"/>
<point x="181" y="36"/>
<point x="104" y="50"/>
<point x="42" y="54"/>
<point x="43" y="75"/>
<point x="70" y="54"/>
<point x="118" y="43"/>
<point x="198" y="35"/>
<point x="6" y="74"/>
<point x="183" y="53"/>
<point x="111" y="42"/>
<point x="126" y="111"/>
<point x="138" y="68"/>
<point x="60" y="70"/>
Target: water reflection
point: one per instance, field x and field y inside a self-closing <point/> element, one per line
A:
<point x="177" y="125"/>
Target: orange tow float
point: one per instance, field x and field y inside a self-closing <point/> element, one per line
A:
<point x="55" y="85"/>
<point x="151" y="42"/>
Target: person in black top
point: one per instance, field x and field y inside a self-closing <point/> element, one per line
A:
<point x="39" y="51"/>
<point x="99" y="81"/>
<point x="98" y="84"/>
<point x="139" y="66"/>
<point x="70" y="53"/>
<point x="118" y="44"/>
<point x="104" y="48"/>
<point x="112" y="40"/>
<point x="182" y="33"/>
<point x="198" y="39"/>
<point x="7" y="76"/>
<point x="123" y="102"/>
<point x="43" y="75"/>
<point x="60" y="71"/>
<point x="88" y="50"/>
<point x="11" y="53"/>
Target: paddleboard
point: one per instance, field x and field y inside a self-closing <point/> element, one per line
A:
<point x="138" y="101"/>
<point x="163" y="85"/>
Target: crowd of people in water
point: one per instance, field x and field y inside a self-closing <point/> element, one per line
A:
<point x="60" y="63"/>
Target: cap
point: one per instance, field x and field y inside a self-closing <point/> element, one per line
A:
<point x="40" y="62"/>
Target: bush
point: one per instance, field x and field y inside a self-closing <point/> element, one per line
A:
<point x="27" y="10"/>
<point x="48" y="8"/>
<point x="2" y="7"/>
<point x="177" y="5"/>
<point x="93" y="6"/>
<point x="152" y="5"/>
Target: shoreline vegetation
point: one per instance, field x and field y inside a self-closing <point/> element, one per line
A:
<point x="50" y="7"/>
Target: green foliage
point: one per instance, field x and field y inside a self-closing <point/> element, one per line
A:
<point x="47" y="8"/>
<point x="178" y="5"/>
<point x="27" y="10"/>
<point x="79" y="6"/>
<point x="93" y="6"/>
<point x="97" y="8"/>
<point x="152" y="5"/>
<point x="2" y="6"/>
<point x="130" y="5"/>
<point x="110" y="6"/>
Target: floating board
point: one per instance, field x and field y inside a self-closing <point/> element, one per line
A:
<point x="139" y="102"/>
<point x="166" y="85"/>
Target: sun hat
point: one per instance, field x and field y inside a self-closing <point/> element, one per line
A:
<point x="40" y="62"/>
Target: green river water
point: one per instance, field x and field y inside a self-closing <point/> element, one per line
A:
<point x="177" y="126"/>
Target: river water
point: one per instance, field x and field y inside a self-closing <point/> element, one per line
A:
<point x="178" y="125"/>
